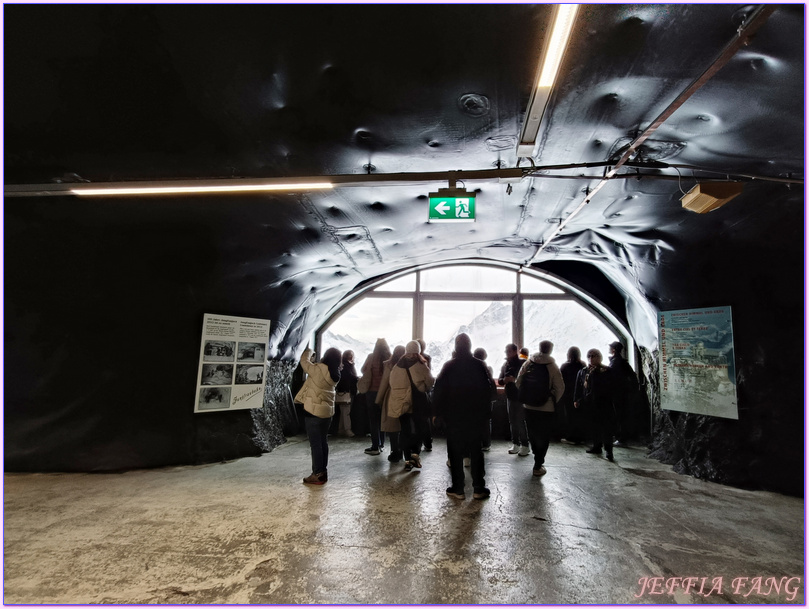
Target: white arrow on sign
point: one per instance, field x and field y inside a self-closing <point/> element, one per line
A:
<point x="442" y="208"/>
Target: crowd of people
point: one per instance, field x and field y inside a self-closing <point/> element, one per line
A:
<point x="406" y="404"/>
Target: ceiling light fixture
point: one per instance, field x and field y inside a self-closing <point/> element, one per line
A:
<point x="709" y="196"/>
<point x="563" y="17"/>
<point x="112" y="190"/>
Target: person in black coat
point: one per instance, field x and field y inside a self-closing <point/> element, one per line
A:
<point x="594" y="393"/>
<point x="345" y="391"/>
<point x="626" y="390"/>
<point x="575" y="425"/>
<point x="462" y="402"/>
<point x="516" y="413"/>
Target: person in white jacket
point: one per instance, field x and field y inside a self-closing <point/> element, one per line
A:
<point x="411" y="370"/>
<point x="317" y="396"/>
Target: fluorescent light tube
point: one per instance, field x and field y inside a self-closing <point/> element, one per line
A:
<point x="209" y="189"/>
<point x="562" y="26"/>
<point x="554" y="50"/>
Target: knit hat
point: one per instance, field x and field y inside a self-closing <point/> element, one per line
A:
<point x="412" y="347"/>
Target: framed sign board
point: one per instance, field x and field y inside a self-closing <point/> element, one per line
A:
<point x="697" y="368"/>
<point x="232" y="365"/>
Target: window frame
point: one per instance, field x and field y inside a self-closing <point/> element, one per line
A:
<point x="517" y="298"/>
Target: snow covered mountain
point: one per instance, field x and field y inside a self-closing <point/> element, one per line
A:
<point x="565" y="323"/>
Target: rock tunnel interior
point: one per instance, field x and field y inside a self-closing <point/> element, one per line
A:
<point x="105" y="296"/>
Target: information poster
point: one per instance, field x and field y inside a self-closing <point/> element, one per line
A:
<point x="231" y="363"/>
<point x="697" y="371"/>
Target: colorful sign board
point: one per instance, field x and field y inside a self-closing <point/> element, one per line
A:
<point x="697" y="368"/>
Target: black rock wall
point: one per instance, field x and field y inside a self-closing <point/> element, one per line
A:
<point x="104" y="306"/>
<point x="103" y="314"/>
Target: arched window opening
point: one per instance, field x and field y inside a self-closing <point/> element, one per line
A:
<point x="493" y="304"/>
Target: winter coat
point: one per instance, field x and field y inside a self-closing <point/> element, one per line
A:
<point x="624" y="378"/>
<point x="371" y="376"/>
<point x="511" y="367"/>
<point x="595" y="389"/>
<point x="554" y="375"/>
<point x="317" y="394"/>
<point x="388" y="423"/>
<point x="463" y="392"/>
<point x="400" y="399"/>
<point x="347" y="387"/>
<point x="570" y="371"/>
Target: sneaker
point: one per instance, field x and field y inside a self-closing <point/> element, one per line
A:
<point x="416" y="460"/>
<point x="540" y="471"/>
<point x="515" y="448"/>
<point x="486" y="449"/>
<point x="610" y="457"/>
<point x="593" y="451"/>
<point x="453" y="492"/>
<point x="313" y="478"/>
<point x="467" y="462"/>
<point x="428" y="446"/>
<point x="482" y="493"/>
<point x="372" y="451"/>
<point x="524" y="451"/>
<point x="620" y="444"/>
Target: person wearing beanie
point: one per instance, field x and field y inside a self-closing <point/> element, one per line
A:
<point x="410" y="381"/>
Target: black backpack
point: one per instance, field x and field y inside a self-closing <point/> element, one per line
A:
<point x="535" y="387"/>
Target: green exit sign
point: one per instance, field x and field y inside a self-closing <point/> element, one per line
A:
<point x="452" y="205"/>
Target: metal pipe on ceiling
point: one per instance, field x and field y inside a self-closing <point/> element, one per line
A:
<point x="743" y="35"/>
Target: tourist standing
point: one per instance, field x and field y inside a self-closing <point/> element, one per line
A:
<point x="317" y="397"/>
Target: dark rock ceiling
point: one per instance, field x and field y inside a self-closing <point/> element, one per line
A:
<point x="130" y="93"/>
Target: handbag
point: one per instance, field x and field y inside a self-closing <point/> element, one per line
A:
<point x="364" y="383"/>
<point x="421" y="401"/>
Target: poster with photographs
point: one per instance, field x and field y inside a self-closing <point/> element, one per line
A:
<point x="697" y="368"/>
<point x="232" y="363"/>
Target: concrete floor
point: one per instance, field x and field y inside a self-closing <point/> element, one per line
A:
<point x="249" y="531"/>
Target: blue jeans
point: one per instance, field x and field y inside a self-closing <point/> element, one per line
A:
<point x="316" y="430"/>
